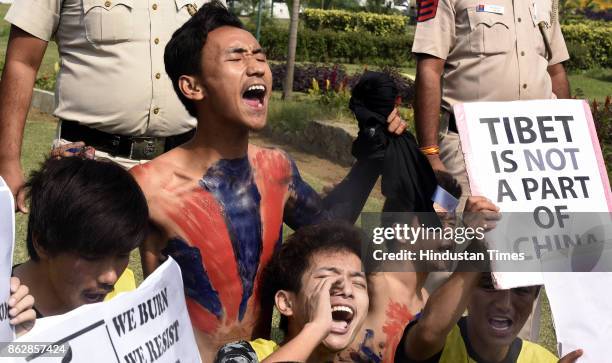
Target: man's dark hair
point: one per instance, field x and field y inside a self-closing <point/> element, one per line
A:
<point x="184" y="50"/>
<point x="292" y="259"/>
<point x="91" y="208"/>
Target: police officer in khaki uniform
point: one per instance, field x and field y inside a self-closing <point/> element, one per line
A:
<point x="482" y="50"/>
<point x="112" y="90"/>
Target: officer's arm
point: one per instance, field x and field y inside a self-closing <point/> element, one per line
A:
<point x="560" y="84"/>
<point x="24" y="55"/>
<point x="427" y="103"/>
<point x="444" y="308"/>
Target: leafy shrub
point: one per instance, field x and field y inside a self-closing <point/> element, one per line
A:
<point x="345" y="21"/>
<point x="602" y="117"/>
<point x="339" y="47"/>
<point x="589" y="44"/>
<point x="333" y="81"/>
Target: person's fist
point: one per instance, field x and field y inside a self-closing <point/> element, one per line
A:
<point x="395" y="124"/>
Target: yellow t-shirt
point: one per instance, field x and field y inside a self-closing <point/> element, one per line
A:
<point x="125" y="283"/>
<point x="457" y="349"/>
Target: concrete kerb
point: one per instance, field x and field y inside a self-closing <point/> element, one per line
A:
<point x="329" y="140"/>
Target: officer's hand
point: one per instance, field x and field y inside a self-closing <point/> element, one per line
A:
<point x="571" y="357"/>
<point x="12" y="174"/>
<point x="73" y="149"/>
<point x="395" y="124"/>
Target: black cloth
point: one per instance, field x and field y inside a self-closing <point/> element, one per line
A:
<point x="408" y="181"/>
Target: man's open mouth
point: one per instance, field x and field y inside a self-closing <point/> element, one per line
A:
<point x="254" y="95"/>
<point x="500" y="324"/>
<point x="95" y="296"/>
<point x="342" y="316"/>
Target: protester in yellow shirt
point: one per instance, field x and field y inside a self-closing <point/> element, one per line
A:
<point x="317" y="283"/>
<point x="488" y="333"/>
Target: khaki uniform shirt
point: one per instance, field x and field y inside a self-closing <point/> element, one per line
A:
<point x="112" y="76"/>
<point x="492" y="55"/>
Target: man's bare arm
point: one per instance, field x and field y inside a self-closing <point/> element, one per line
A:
<point x="444" y="308"/>
<point x="427" y="104"/>
<point x="24" y="55"/>
<point x="560" y="84"/>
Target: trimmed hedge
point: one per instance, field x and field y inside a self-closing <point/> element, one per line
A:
<point x="339" y="47"/>
<point x="589" y="44"/>
<point x="345" y="21"/>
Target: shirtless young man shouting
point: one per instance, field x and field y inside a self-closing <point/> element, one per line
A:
<point x="218" y="203"/>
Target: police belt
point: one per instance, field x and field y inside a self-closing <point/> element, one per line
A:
<point x="131" y="147"/>
<point x="452" y="124"/>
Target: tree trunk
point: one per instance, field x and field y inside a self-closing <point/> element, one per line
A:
<point x="293" y="30"/>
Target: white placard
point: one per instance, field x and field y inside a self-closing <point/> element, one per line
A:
<point x="543" y="156"/>
<point x="581" y="305"/>
<point x="149" y="324"/>
<point x="7" y="242"/>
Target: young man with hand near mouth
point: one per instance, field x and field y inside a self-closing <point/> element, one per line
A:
<point x="218" y="203"/>
<point x="318" y="285"/>
<point x="488" y="334"/>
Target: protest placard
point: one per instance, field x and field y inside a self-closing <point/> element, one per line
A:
<point x="581" y="304"/>
<point x="7" y="241"/>
<point x="149" y="324"/>
<point x="540" y="161"/>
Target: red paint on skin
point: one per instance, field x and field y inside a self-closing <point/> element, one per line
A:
<point x="200" y="217"/>
<point x="272" y="185"/>
<point x="398" y="317"/>
<point x="201" y="318"/>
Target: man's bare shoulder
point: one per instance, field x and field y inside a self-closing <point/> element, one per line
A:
<point x="153" y="174"/>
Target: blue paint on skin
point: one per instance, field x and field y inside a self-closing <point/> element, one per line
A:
<point x="192" y="269"/>
<point x="367" y="351"/>
<point x="304" y="206"/>
<point x="231" y="182"/>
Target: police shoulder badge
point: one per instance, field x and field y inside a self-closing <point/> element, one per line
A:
<point x="426" y="9"/>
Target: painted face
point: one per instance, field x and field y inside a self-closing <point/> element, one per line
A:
<point x="77" y="280"/>
<point x="497" y="316"/>
<point x="236" y="77"/>
<point x="349" y="296"/>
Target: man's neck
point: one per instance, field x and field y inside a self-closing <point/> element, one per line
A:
<point x="487" y="352"/>
<point x="215" y="140"/>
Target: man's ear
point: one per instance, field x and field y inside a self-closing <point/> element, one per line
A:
<point x="40" y="251"/>
<point x="285" y="302"/>
<point x="191" y="88"/>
